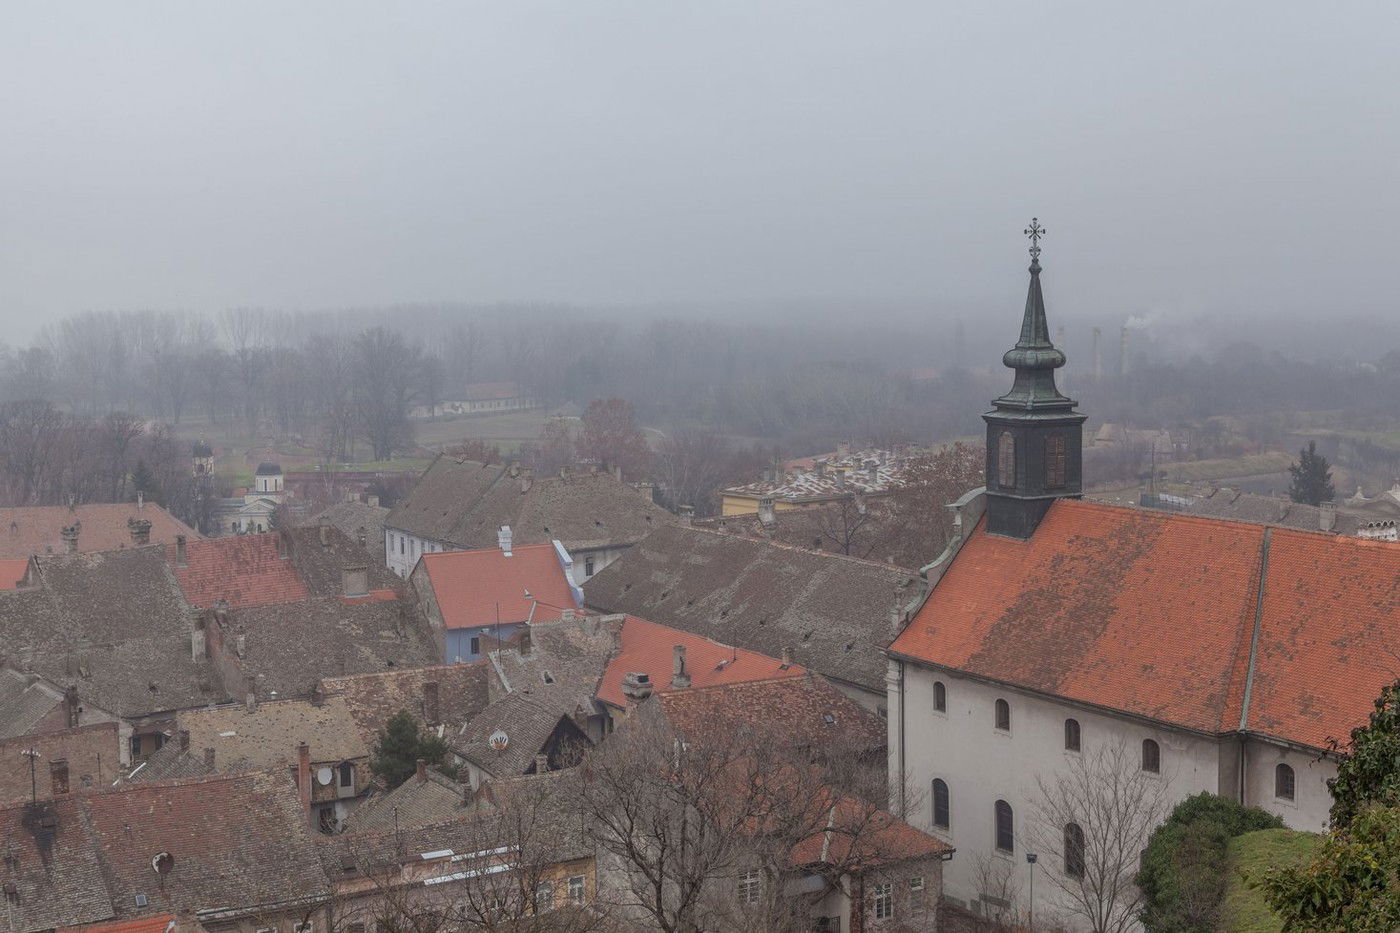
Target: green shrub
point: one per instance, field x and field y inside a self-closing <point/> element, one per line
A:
<point x="1183" y="874"/>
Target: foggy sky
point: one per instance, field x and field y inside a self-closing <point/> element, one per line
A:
<point x="1187" y="159"/>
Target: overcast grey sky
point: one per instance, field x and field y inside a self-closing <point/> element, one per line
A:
<point x="1203" y="157"/>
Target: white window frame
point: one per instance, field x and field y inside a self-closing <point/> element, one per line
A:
<point x="884" y="900"/>
<point x="578" y="889"/>
<point x="750" y="886"/>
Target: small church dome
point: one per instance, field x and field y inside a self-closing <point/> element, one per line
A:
<point x="269" y="469"/>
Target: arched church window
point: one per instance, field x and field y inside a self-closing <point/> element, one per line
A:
<point x="1054" y="461"/>
<point x="1006" y="460"/>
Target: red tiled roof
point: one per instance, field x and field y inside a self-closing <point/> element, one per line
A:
<point x="647" y="647"/>
<point x="1153" y="613"/>
<point x="244" y="570"/>
<point x="808" y="710"/>
<point x="860" y="837"/>
<point x="11" y="572"/>
<point x="35" y="529"/>
<point x="470" y="585"/>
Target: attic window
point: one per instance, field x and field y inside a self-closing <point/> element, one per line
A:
<point x="141" y="900"/>
<point x="548" y="677"/>
<point x="546" y="529"/>
<point x="11" y="893"/>
<point x="829" y="719"/>
<point x="807" y="635"/>
<point x="850" y="645"/>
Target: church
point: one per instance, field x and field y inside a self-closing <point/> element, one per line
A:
<point x="1205" y="654"/>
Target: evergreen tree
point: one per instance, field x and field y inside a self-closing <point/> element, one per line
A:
<point x="1368" y="772"/>
<point x="144" y="481"/>
<point x="1311" y="481"/>
<point x="401" y="743"/>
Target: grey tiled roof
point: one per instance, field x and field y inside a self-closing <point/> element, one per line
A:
<point x="463" y="691"/>
<point x="57" y="875"/>
<point x="413" y="803"/>
<point x="566" y="662"/>
<point x="464" y="503"/>
<point x="292" y="646"/>
<point x="832" y="611"/>
<point x="114" y="624"/>
<point x="527" y="725"/>
<point x="350" y="517"/>
<point x="24" y="701"/>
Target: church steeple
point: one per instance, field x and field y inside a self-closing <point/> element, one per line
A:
<point x="1034" y="435"/>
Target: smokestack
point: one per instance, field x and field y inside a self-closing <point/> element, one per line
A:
<point x="1098" y="361"/>
<point x="680" y="678"/>
<point x="1123" y="352"/>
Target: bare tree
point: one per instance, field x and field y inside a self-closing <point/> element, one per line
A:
<point x="387" y="378"/>
<point x="1097" y="815"/>
<point x="846" y="526"/>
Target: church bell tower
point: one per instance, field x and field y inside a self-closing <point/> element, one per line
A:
<point x="1034" y="435"/>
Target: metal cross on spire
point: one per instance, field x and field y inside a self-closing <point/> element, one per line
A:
<point x="1035" y="231"/>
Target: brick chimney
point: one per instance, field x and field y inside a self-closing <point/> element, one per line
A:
<point x="324" y="532"/>
<point x="1327" y="516"/>
<point x="69" y="534"/>
<point x="687" y="514"/>
<point x="431" y="709"/>
<point x="184" y="740"/>
<point x="209" y="758"/>
<point x="250" y="701"/>
<point x="180" y="556"/>
<point x="421" y="770"/>
<point x="636" y="686"/>
<point x="72" y="707"/>
<point x="541" y="764"/>
<point x="526" y="480"/>
<point x="525" y="643"/>
<point x="787" y="657"/>
<point x="354" y="580"/>
<point x="765" y="510"/>
<point x="680" y="678"/>
<point x="198" y="644"/>
<point x="140" y="529"/>
<point x="304" y="778"/>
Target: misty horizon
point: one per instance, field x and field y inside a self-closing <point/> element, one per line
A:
<point x="1189" y="163"/>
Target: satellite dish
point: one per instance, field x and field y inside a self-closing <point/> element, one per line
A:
<point x="499" y="740"/>
<point x="325" y="776"/>
<point x="162" y="862"/>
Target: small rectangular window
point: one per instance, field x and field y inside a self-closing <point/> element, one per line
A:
<point x="304" y="926"/>
<point x="884" y="901"/>
<point x="544" y="897"/>
<point x="588" y="567"/>
<point x="578" y="889"/>
<point x="58" y="776"/>
<point x="475" y="645"/>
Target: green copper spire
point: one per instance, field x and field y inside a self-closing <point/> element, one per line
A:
<point x="1034" y="358"/>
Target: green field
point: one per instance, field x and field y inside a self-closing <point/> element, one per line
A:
<point x="1244" y="910"/>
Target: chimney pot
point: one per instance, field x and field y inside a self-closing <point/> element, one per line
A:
<point x="354" y="580"/>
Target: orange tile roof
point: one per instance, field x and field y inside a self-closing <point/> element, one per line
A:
<point x="11" y="572"/>
<point x="860" y="837"/>
<point x="35" y="529"/>
<point x="647" y="647"/>
<point x="1153" y="613"/>
<point x="470" y="585"/>
<point x="244" y="570"/>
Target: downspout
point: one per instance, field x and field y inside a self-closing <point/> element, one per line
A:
<point x="903" y="775"/>
<point x="1253" y="656"/>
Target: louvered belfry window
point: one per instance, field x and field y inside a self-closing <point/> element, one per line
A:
<point x="1055" y="461"/>
<point x="1006" y="460"/>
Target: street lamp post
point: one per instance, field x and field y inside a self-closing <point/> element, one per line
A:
<point x="1030" y="860"/>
